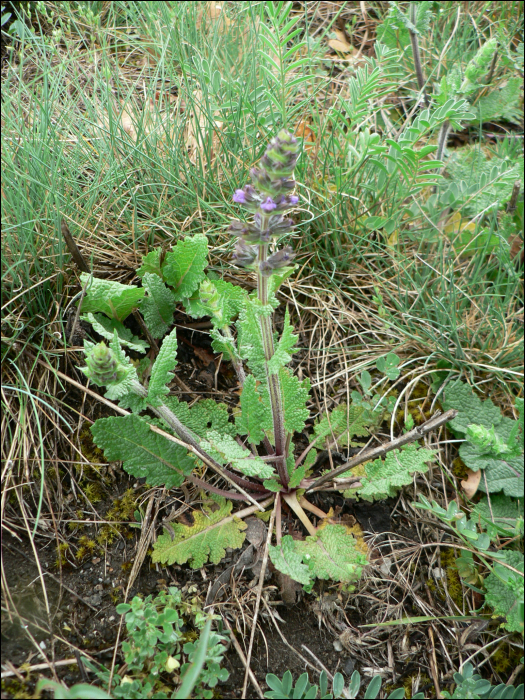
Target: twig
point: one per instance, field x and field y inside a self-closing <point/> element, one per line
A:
<point x="318" y="661"/>
<point x="511" y="204"/>
<point x="243" y="658"/>
<point x="417" y="56"/>
<point x="73" y="248"/>
<point x="36" y="667"/>
<point x="258" y="601"/>
<point x="436" y="421"/>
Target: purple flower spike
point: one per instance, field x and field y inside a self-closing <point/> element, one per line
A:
<point x="269" y="205"/>
<point x="239" y="197"/>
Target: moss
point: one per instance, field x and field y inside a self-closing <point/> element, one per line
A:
<point x="455" y="588"/>
<point x="122" y="511"/>
<point x="61" y="554"/>
<point x="459" y="468"/>
<point x="13" y="688"/>
<point x="93" y="492"/>
<point x="506" y="658"/>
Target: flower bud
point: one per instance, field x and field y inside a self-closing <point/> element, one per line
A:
<point x="248" y="197"/>
<point x="102" y="366"/>
<point x="210" y="299"/>
<point x="244" y="254"/>
<point x="277" y="260"/>
<point x="281" y="156"/>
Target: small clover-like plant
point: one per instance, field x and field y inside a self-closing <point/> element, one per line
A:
<point x="156" y="650"/>
<point x="254" y="453"/>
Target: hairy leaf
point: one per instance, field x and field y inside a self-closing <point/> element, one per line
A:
<point x="505" y="590"/>
<point x="107" y="327"/>
<point x="110" y="298"/>
<point x="151" y="263"/>
<point x="289" y="561"/>
<point x="231" y="301"/>
<point x="183" y="267"/>
<point x="343" y="423"/>
<point x="283" y="348"/>
<point x="225" y="450"/>
<point x="255" y="418"/>
<point x="383" y="479"/>
<point x="471" y="409"/>
<point x="203" y="416"/>
<point x="162" y="371"/>
<point x="207" y="538"/>
<point x="251" y="346"/>
<point x="331" y="554"/>
<point x="144" y="454"/>
<point x="158" y="307"/>
<point x="295" y="395"/>
<point x="501" y="515"/>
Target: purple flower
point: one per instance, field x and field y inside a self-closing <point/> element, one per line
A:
<point x="293" y="199"/>
<point x="239" y="197"/>
<point x="244" y="254"/>
<point x="268" y="205"/>
<point x="277" y="260"/>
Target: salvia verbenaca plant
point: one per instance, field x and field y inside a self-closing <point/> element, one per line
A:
<point x="255" y="452"/>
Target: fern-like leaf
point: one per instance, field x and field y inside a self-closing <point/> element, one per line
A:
<point x="203" y="416"/>
<point x="226" y="450"/>
<point x="295" y="395"/>
<point x="144" y="454"/>
<point x="183" y="267"/>
<point x="255" y="417"/>
<point x="343" y="423"/>
<point x="231" y="301"/>
<point x="162" y="371"/>
<point x="158" y="307"/>
<point x="207" y="539"/>
<point x="287" y="341"/>
<point x="383" y="479"/>
<point x="505" y="590"/>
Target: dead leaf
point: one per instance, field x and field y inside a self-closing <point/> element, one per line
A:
<point x="471" y="483"/>
<point x="304" y="132"/>
<point x="340" y="44"/>
<point x="213" y="14"/>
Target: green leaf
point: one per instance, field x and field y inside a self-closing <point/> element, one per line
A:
<point x="226" y="450"/>
<point x="207" y="539"/>
<point x="505" y="591"/>
<point x="250" y="341"/>
<point x="286" y="342"/>
<point x="162" y="371"/>
<point x="203" y="416"/>
<point x="289" y="561"/>
<point x="501" y="516"/>
<point x="471" y="409"/>
<point x="383" y="479"/>
<point x="343" y="423"/>
<point x="151" y="263"/>
<point x="231" y="300"/>
<point x="107" y="327"/>
<point x="144" y="454"/>
<point x="110" y="298"/>
<point x="183" y="267"/>
<point x="255" y="418"/>
<point x="296" y="477"/>
<point x="158" y="307"/>
<point x="332" y="554"/>
<point x="295" y="395"/>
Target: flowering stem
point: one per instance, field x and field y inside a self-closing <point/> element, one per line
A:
<point x="273" y="380"/>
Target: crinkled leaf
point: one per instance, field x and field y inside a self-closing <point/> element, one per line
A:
<point x="231" y="300"/>
<point x="162" y="371"/>
<point x="332" y="554"/>
<point x="289" y="561"/>
<point x="107" y="327"/>
<point x="384" y="478"/>
<point x="110" y="298"/>
<point x="226" y="450"/>
<point x="296" y="477"/>
<point x="501" y="473"/>
<point x="203" y="416"/>
<point x="505" y="591"/>
<point x="295" y="395"/>
<point x="343" y="423"/>
<point x="251" y="346"/>
<point x="502" y="515"/>
<point x="144" y="454"/>
<point x="283" y="348"/>
<point x="272" y="485"/>
<point x="151" y="263"/>
<point x="158" y="307"/>
<point x="123" y="391"/>
<point x="207" y="538"/>
<point x="471" y="409"/>
<point x="255" y="417"/>
<point x="183" y="267"/>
